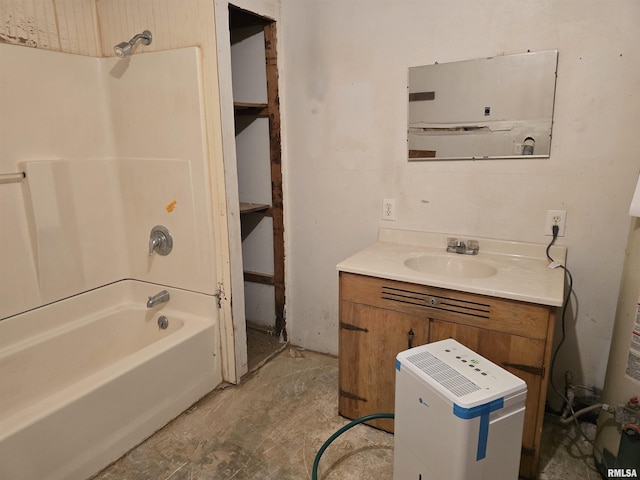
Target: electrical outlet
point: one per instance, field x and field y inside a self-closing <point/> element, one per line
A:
<point x="389" y="209"/>
<point x="555" y="217"/>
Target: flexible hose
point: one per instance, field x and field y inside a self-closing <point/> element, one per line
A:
<point x="590" y="408"/>
<point x="314" y="471"/>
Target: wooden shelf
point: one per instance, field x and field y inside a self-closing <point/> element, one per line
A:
<point x="247" y="207"/>
<point x="257" y="277"/>
<point x="422" y="153"/>
<point x="254" y="109"/>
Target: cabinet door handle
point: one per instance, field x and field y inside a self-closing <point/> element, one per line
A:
<point x="410" y="335"/>
<point x="348" y="326"/>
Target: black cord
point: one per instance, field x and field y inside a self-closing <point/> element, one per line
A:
<point x="554" y="230"/>
<point x="565" y="305"/>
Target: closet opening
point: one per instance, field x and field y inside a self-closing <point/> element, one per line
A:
<point x="254" y="70"/>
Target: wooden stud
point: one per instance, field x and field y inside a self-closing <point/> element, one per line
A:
<point x="275" y="146"/>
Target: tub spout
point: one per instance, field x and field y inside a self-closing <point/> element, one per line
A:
<point x="158" y="298"/>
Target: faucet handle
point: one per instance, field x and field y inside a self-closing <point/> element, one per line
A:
<point x="473" y="246"/>
<point x="160" y="240"/>
<point x="452" y="242"/>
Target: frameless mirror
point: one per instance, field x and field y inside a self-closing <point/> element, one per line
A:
<point x="497" y="107"/>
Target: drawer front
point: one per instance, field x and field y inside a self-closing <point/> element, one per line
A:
<point x="509" y="316"/>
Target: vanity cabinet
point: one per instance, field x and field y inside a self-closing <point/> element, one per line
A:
<point x="380" y="317"/>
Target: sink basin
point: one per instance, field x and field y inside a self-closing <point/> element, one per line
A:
<point x="450" y="266"/>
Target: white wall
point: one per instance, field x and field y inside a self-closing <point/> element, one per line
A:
<point x="61" y="25"/>
<point x="344" y="72"/>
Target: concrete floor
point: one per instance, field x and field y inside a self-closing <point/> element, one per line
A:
<point x="272" y="425"/>
<point x="262" y="346"/>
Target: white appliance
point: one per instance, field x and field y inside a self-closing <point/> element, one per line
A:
<point x="458" y="416"/>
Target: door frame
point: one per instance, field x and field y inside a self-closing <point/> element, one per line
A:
<point x="233" y="320"/>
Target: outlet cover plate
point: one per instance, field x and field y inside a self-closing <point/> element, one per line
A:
<point x="388" y="209"/>
<point x="555" y="217"/>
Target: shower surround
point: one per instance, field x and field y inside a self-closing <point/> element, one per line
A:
<point x="110" y="149"/>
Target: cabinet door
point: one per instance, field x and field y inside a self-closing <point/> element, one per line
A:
<point x="524" y="357"/>
<point x="369" y="340"/>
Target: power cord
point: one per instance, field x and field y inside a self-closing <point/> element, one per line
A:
<point x="554" y="230"/>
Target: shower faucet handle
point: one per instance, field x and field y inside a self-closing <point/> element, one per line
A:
<point x="160" y="241"/>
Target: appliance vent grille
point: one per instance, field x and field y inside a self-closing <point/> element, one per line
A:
<point x="442" y="373"/>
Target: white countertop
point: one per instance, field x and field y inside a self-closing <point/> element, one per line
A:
<point x="522" y="268"/>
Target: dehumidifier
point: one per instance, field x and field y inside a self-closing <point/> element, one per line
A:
<point x="458" y="416"/>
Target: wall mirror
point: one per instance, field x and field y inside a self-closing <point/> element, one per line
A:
<point x="497" y="107"/>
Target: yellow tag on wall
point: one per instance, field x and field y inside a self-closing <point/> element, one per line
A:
<point x="169" y="208"/>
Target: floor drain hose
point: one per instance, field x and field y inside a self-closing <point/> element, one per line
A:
<point x="314" y="471"/>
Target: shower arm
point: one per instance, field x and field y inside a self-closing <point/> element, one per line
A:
<point x="125" y="49"/>
<point x="144" y="36"/>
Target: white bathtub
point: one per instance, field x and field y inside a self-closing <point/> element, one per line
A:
<point x="85" y="379"/>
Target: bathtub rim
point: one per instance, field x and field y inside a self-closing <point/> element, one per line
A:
<point x="132" y="283"/>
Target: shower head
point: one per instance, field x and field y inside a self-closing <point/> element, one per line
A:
<point x="125" y="49"/>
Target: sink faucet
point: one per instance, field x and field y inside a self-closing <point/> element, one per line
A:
<point x="158" y="298"/>
<point x="458" y="246"/>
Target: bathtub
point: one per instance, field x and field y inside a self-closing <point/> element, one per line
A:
<point x="85" y="379"/>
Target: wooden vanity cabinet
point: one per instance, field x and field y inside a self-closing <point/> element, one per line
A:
<point x="379" y="318"/>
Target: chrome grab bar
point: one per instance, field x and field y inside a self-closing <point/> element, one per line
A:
<point x="12" y="177"/>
